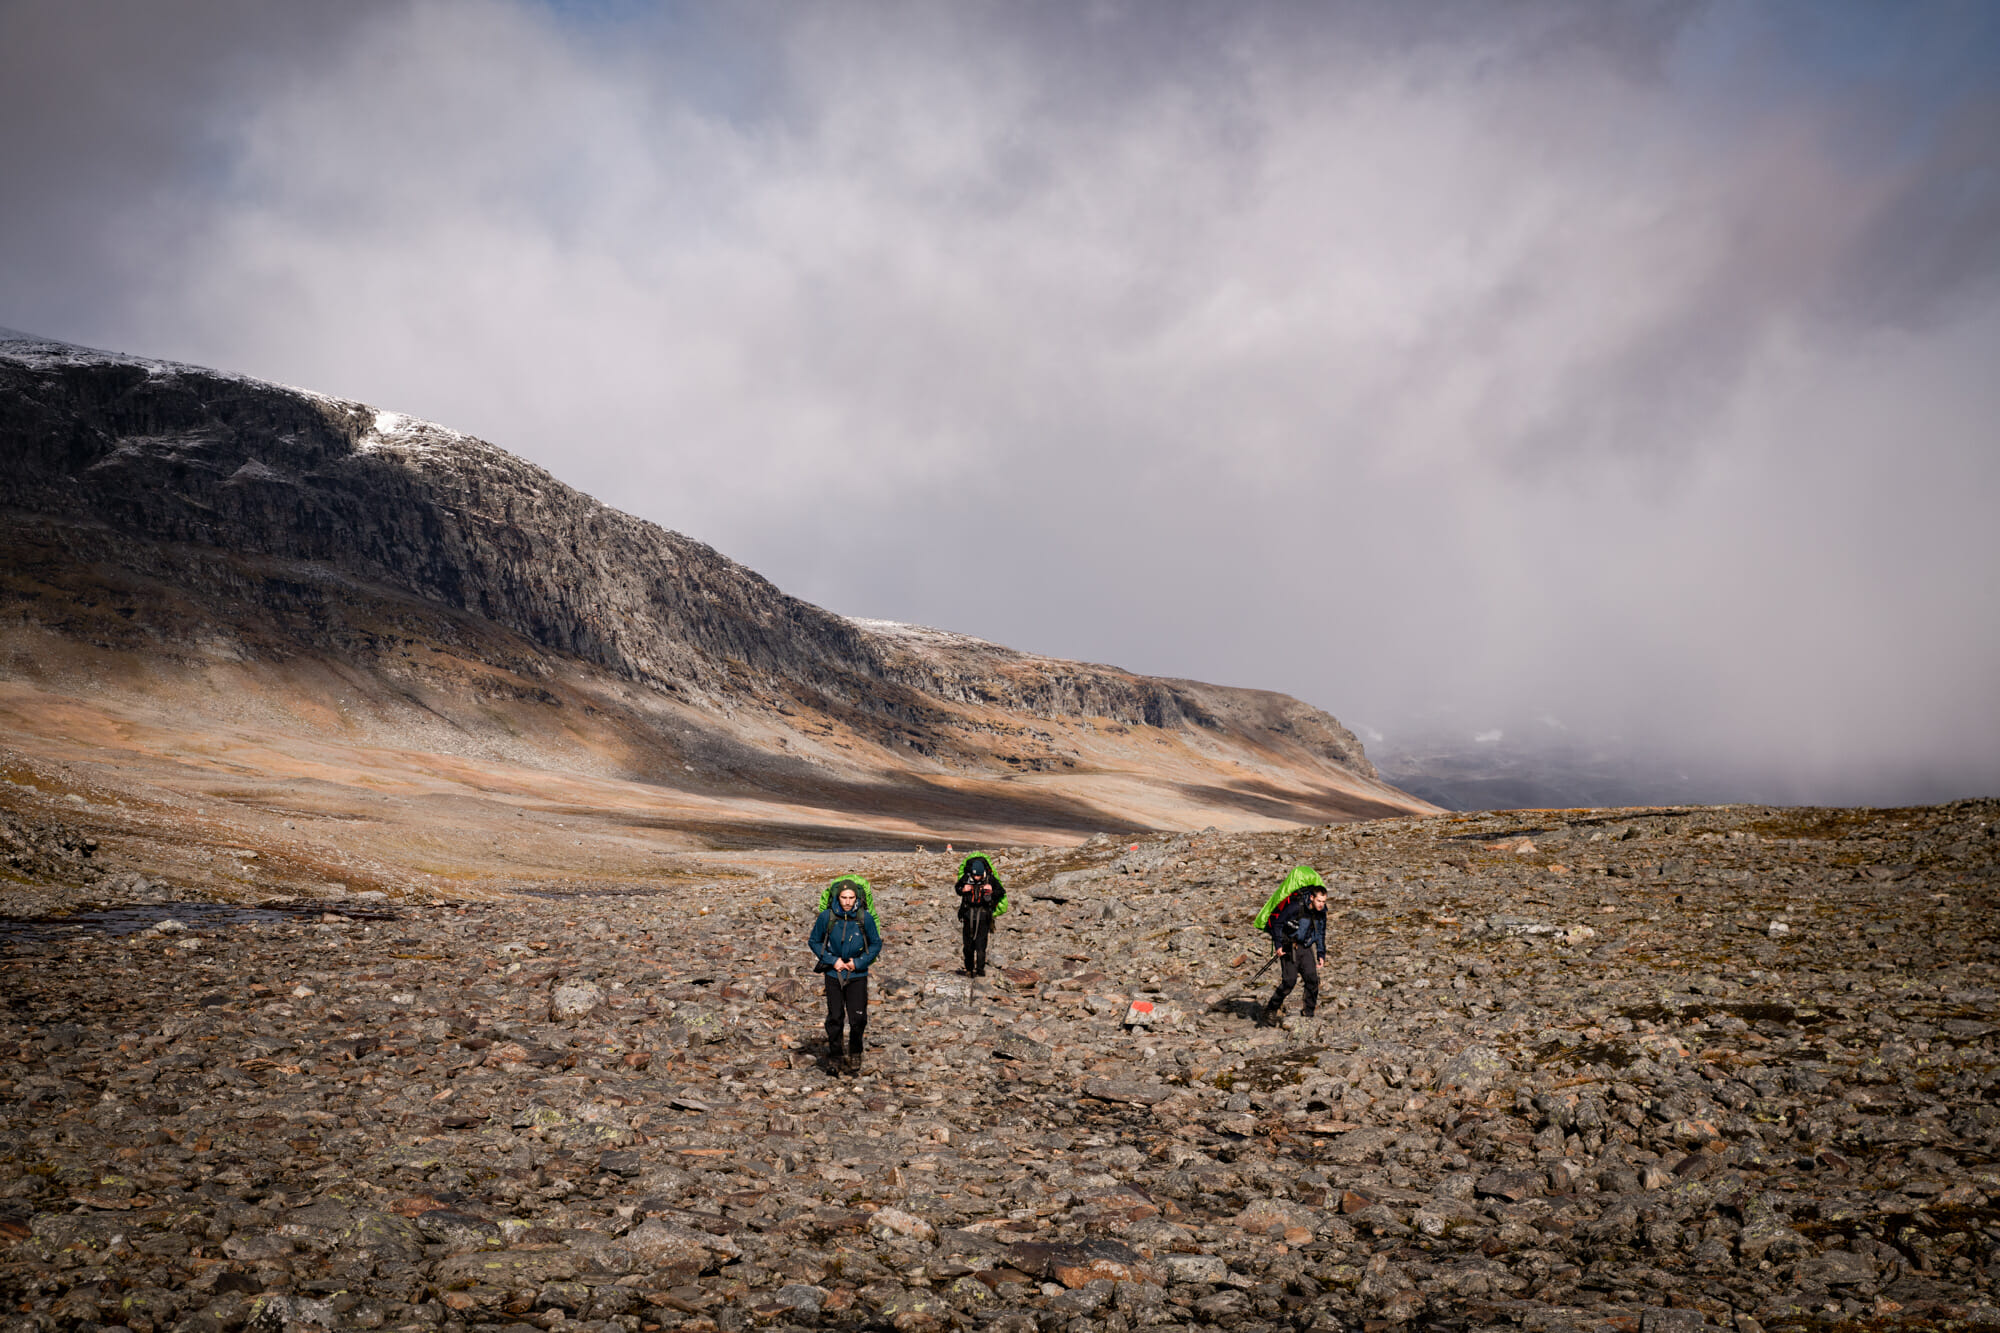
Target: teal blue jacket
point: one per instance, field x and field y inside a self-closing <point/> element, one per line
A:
<point x="840" y="937"/>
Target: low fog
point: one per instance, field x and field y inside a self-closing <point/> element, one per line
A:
<point x="1622" y="371"/>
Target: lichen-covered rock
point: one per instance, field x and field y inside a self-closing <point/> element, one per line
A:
<point x="1473" y="1069"/>
<point x="677" y="1251"/>
<point x="1767" y="1234"/>
<point x="574" y="1001"/>
<point x="380" y="1237"/>
<point x="1277" y="1217"/>
<point x="1196" y="1268"/>
<point x="895" y="1224"/>
<point x="509" y="1270"/>
<point x="458" y="1233"/>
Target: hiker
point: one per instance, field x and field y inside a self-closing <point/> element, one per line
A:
<point x="1295" y="916"/>
<point x="861" y="885"/>
<point x="981" y="897"/>
<point x="845" y="941"/>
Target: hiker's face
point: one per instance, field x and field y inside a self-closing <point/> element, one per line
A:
<point x="847" y="900"/>
<point x="1319" y="902"/>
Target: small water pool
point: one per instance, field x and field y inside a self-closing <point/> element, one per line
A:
<point x="132" y="918"/>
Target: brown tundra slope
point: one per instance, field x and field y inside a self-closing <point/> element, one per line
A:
<point x="384" y="650"/>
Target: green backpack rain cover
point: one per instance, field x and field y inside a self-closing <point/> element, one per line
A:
<point x="992" y="873"/>
<point x="1301" y="877"/>
<point x="827" y="895"/>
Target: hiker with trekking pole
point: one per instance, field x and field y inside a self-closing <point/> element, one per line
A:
<point x="1295" y="917"/>
<point x="845" y="941"/>
<point x="981" y="897"/>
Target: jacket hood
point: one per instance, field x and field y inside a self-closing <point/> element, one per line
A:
<point x="992" y="870"/>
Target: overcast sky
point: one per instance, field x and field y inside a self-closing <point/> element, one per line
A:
<point x="1441" y="364"/>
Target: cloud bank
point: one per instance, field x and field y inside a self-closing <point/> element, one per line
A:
<point x="1440" y="365"/>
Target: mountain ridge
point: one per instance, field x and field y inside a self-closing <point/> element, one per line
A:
<point x="279" y="511"/>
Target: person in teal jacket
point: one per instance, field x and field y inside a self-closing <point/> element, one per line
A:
<point x="845" y="941"/>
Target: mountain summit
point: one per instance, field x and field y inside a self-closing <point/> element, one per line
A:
<point x="190" y="553"/>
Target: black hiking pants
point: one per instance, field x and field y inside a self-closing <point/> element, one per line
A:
<point x="1298" y="960"/>
<point x="975" y="928"/>
<point x="846" y="996"/>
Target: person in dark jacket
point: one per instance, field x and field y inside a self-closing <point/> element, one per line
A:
<point x="845" y="941"/>
<point x="981" y="897"/>
<point x="1299" y="934"/>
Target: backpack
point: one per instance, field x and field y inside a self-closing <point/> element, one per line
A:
<point x="828" y="894"/>
<point x="1301" y="877"/>
<point x="992" y="877"/>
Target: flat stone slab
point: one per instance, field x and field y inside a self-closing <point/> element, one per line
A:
<point x="1139" y="1094"/>
<point x="1079" y="1263"/>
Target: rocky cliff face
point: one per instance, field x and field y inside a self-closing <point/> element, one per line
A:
<point x="146" y="463"/>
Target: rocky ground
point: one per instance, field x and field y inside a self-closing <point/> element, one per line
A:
<point x="1621" y="1070"/>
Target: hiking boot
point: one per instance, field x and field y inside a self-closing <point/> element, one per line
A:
<point x="1268" y="1015"/>
<point x="855" y="1063"/>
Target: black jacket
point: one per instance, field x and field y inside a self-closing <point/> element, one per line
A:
<point x="1299" y="924"/>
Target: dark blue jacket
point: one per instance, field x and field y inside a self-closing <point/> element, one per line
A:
<point x="1299" y="924"/>
<point x="842" y="936"/>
